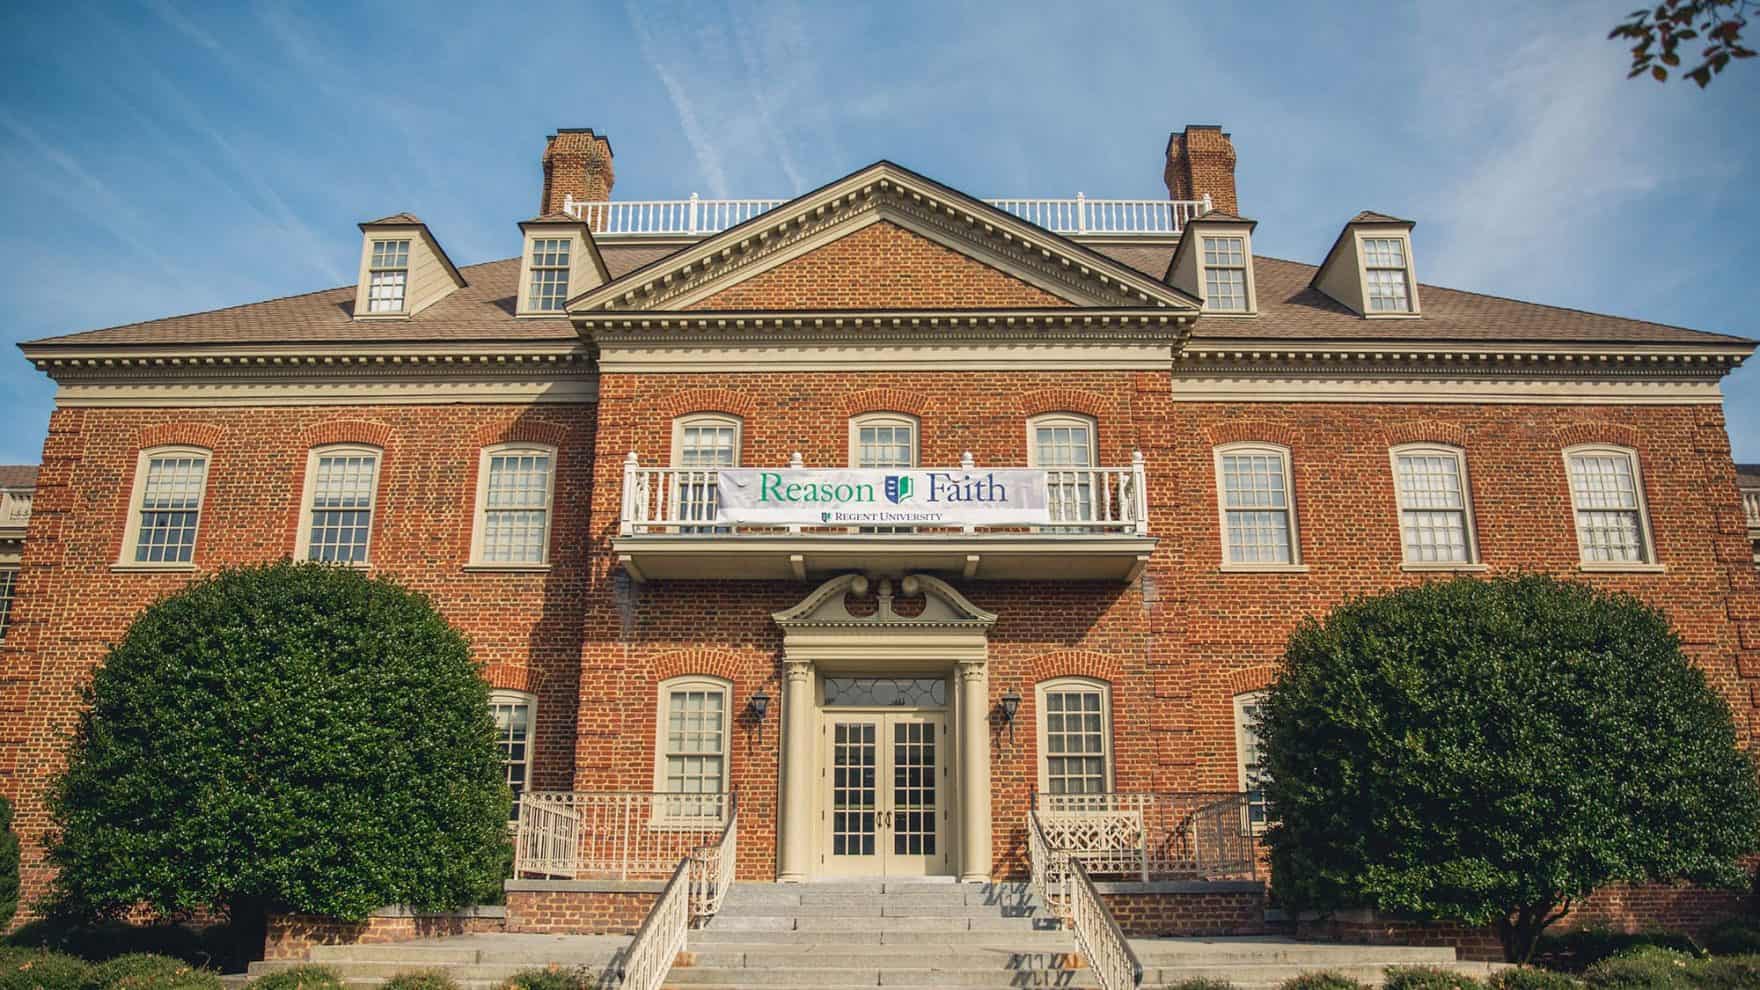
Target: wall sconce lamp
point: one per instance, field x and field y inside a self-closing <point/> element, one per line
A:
<point x="760" y="704"/>
<point x="1011" y="703"/>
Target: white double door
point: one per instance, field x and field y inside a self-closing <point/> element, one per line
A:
<point x="884" y="801"/>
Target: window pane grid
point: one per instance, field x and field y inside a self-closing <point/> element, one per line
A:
<point x="388" y="275"/>
<point x="171" y="502"/>
<point x="1225" y="289"/>
<point x="549" y="273"/>
<point x="1075" y="742"/>
<point x="342" y="508"/>
<point x="890" y="446"/>
<point x="1433" y="508"/>
<point x="695" y="749"/>
<point x="1252" y="757"/>
<point x="703" y="445"/>
<point x="1256" y="509"/>
<point x="8" y="585"/>
<point x="517" y="508"/>
<point x="1067" y="445"/>
<point x="513" y="729"/>
<point x="1384" y="264"/>
<point x="1606" y="494"/>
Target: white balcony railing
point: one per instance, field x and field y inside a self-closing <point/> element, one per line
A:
<point x="15" y="509"/>
<point x="696" y="216"/>
<point x="621" y="835"/>
<point x="681" y="502"/>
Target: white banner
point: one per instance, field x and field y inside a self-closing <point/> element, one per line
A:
<point x="897" y="497"/>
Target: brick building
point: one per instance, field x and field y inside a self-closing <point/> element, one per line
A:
<point x="1214" y="444"/>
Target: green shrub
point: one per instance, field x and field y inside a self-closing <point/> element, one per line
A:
<point x="221" y="948"/>
<point x="1428" y="978"/>
<point x="289" y="734"/>
<point x="1736" y="937"/>
<point x="299" y="978"/>
<point x="8" y="864"/>
<point x="549" y="978"/>
<point x="1644" y="968"/>
<point x="146" y="971"/>
<point x="39" y="970"/>
<point x="1201" y="983"/>
<point x="1322" y="981"/>
<point x="1529" y="978"/>
<point x="1490" y="751"/>
<point x="421" y="979"/>
<point x="1575" y="951"/>
<point x="1726" y="973"/>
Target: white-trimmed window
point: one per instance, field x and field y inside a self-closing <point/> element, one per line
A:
<point x="1250" y="753"/>
<point x="883" y="440"/>
<point x="169" y="486"/>
<point x="1065" y="445"/>
<point x="700" y="445"/>
<point x="1075" y="736"/>
<point x="337" y="524"/>
<point x="1225" y="274"/>
<point x="1607" y="493"/>
<point x="387" y="276"/>
<point x="515" y="485"/>
<point x="8" y="586"/>
<point x="1257" y="504"/>
<point x="691" y="752"/>
<point x="514" y="713"/>
<point x="1385" y="275"/>
<point x="549" y="273"/>
<point x="1435" y="515"/>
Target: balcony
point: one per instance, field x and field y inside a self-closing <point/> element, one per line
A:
<point x="1097" y="529"/>
<point x="15" y="512"/>
<point x="1078" y="217"/>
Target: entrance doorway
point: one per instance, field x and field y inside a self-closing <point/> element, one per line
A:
<point x="885" y="801"/>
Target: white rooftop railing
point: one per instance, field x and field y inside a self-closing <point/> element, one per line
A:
<point x="698" y="216"/>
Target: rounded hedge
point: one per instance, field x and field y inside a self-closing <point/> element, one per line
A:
<point x="288" y="736"/>
<point x="1427" y="978"/>
<point x="147" y="971"/>
<point x="1493" y="751"/>
<point x="306" y="977"/>
<point x="1528" y="978"/>
<point x="421" y="979"/>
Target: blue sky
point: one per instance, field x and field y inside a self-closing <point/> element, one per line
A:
<point x="171" y="156"/>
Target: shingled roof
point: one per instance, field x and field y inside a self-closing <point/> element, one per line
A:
<point x="1289" y="309"/>
<point x="18" y="476"/>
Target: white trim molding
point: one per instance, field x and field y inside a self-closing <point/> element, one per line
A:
<point x="480" y="516"/>
<point x="128" y="555"/>
<point x="302" y="543"/>
<point x="1082" y="687"/>
<point x="1470" y="534"/>
<point x="1286" y="464"/>
<point x="1647" y="562"/>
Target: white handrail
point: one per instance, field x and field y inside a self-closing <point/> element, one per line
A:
<point x="681" y="501"/>
<point x="662" y="936"/>
<point x="712" y="871"/>
<point x="623" y="835"/>
<point x="696" y="216"/>
<point x="1060" y="881"/>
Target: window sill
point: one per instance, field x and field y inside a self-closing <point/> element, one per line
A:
<point x="130" y="568"/>
<point x="1445" y="566"/>
<point x="507" y="568"/>
<point x="1264" y="568"/>
<point x="1616" y="567"/>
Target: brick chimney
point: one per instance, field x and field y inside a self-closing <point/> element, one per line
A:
<point x="577" y="163"/>
<point x="1200" y="160"/>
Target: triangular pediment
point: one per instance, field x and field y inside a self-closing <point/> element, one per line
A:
<point x="883" y="238"/>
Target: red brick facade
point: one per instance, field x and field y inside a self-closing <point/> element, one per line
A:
<point x="1175" y="646"/>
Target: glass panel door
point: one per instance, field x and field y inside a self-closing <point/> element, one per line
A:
<point x="885" y="808"/>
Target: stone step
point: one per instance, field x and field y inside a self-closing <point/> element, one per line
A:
<point x="881" y="908"/>
<point x="938" y="957"/>
<point x="801" y="976"/>
<point x="733" y="921"/>
<point x="1159" y="953"/>
<point x="869" y="935"/>
<point x="353" y="970"/>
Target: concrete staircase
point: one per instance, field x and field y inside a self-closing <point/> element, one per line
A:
<point x="838" y="936"/>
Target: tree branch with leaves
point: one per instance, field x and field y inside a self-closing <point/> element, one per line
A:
<point x="1658" y="33"/>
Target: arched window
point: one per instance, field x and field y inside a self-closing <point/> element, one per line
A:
<point x="1257" y="506"/>
<point x="1075" y="736"/>
<point x="170" y="485"/>
<point x="515" y="714"/>
<point x="883" y="440"/>
<point x="701" y="443"/>
<point x="1435" y="511"/>
<point x="515" y="484"/>
<point x="336" y="524"/>
<point x="690" y="753"/>
<point x="1607" y="494"/>
<point x="1066" y="446"/>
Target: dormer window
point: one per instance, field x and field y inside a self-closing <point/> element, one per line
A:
<point x="1384" y="272"/>
<point x="388" y="272"/>
<point x="549" y="273"/>
<point x="1225" y="274"/>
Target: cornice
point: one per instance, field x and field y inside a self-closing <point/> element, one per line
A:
<point x="1451" y="360"/>
<point x="386" y="362"/>
<point x="858" y="327"/>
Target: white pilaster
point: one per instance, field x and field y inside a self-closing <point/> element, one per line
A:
<point x="797" y="772"/>
<point x="974" y="771"/>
